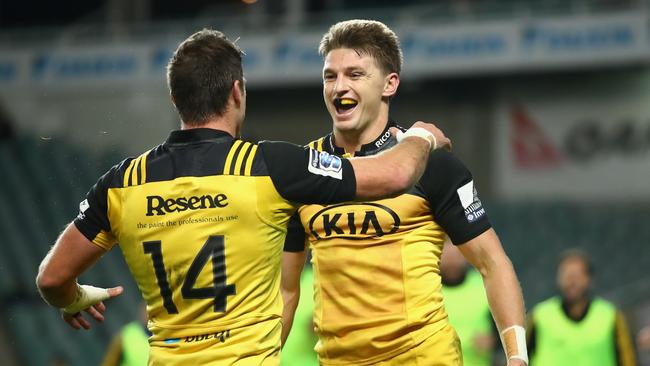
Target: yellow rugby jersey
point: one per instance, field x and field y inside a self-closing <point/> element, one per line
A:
<point x="376" y="264"/>
<point x="201" y="221"/>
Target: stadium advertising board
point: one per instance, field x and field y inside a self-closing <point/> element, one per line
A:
<point x="584" y="141"/>
<point x="464" y="48"/>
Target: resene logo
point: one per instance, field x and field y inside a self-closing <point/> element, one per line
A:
<point x="161" y="206"/>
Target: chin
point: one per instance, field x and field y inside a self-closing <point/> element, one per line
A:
<point x="348" y="125"/>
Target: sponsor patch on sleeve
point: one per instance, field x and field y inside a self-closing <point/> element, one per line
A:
<point x="325" y="164"/>
<point x="83" y="206"/>
<point x="472" y="206"/>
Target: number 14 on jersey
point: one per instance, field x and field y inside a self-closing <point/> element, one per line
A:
<point x="213" y="248"/>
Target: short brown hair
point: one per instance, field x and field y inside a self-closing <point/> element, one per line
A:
<point x="574" y="253"/>
<point x="201" y="74"/>
<point x="366" y="36"/>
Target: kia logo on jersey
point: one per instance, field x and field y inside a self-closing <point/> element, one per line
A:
<point x="354" y="220"/>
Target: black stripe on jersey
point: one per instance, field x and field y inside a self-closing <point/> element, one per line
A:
<point x="249" y="148"/>
<point x="233" y="162"/>
<point x="135" y="172"/>
<point x="127" y="173"/>
<point x="143" y="168"/>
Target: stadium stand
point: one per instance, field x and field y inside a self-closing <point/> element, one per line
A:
<point x="43" y="182"/>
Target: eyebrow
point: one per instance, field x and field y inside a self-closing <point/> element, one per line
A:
<point x="347" y="69"/>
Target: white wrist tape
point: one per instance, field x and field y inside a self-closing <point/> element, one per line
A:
<point x="419" y="132"/>
<point x="513" y="340"/>
<point x="86" y="296"/>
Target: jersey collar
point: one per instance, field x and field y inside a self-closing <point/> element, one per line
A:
<point x="382" y="142"/>
<point x="565" y="309"/>
<point x="196" y="135"/>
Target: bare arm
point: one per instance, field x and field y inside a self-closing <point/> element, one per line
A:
<point x="57" y="276"/>
<point x="395" y="171"/>
<point x="292" y="264"/>
<point x="501" y="284"/>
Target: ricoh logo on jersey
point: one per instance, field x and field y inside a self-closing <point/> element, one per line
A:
<point x="382" y="139"/>
<point x="161" y="206"/>
<point x="356" y="220"/>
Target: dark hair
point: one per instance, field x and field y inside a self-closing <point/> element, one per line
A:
<point x="201" y="74"/>
<point x="366" y="36"/>
<point x="577" y="254"/>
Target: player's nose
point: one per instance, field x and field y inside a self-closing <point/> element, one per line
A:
<point x="340" y="87"/>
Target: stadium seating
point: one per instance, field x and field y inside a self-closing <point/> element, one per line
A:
<point x="44" y="181"/>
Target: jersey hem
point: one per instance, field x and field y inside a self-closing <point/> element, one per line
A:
<point x="388" y="355"/>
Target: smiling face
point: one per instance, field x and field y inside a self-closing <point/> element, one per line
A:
<point x="356" y="91"/>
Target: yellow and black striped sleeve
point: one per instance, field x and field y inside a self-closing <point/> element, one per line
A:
<point x="93" y="221"/>
<point x="304" y="175"/>
<point x="239" y="160"/>
<point x="625" y="353"/>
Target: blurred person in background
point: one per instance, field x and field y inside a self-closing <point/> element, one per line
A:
<point x="298" y="350"/>
<point x="205" y="198"/>
<point x="577" y="328"/>
<point x="467" y="307"/>
<point x="130" y="347"/>
<point x="378" y="289"/>
<point x="643" y="339"/>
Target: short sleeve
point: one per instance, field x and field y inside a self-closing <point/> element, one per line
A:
<point x="92" y="220"/>
<point x="304" y="175"/>
<point x="456" y="207"/>
<point x="295" y="239"/>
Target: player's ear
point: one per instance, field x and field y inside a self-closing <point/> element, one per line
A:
<point x="237" y="93"/>
<point x="390" y="84"/>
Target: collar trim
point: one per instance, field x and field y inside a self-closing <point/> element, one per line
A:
<point x="195" y="135"/>
<point x="382" y="141"/>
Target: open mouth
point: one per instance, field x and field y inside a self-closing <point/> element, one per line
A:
<point x="344" y="105"/>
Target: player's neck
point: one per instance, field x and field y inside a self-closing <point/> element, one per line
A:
<point x="220" y="123"/>
<point x="352" y="140"/>
<point x="576" y="309"/>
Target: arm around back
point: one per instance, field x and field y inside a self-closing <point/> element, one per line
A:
<point x="395" y="171"/>
<point x="308" y="176"/>
<point x="392" y="172"/>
